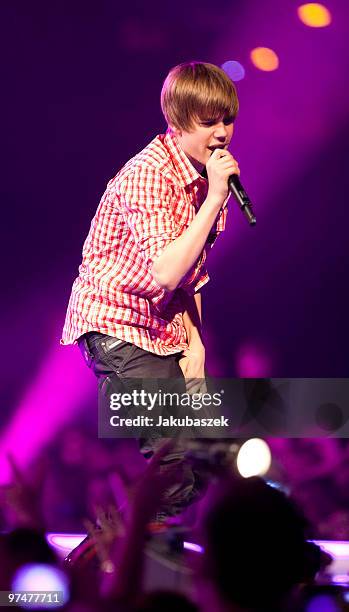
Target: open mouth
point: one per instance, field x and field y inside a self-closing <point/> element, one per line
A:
<point x="214" y="147"/>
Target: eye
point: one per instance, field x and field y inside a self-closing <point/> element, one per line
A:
<point x="211" y="122"/>
<point x="208" y="123"/>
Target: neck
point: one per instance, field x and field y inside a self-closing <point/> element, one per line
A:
<point x="194" y="162"/>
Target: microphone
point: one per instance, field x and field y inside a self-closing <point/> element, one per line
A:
<point x="242" y="198"/>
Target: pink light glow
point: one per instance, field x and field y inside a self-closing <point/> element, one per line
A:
<point x="64" y="543"/>
<point x="193" y="547"/>
<point x="338" y="549"/>
<point x="252" y="361"/>
<point x="62" y="384"/>
<point x="340" y="579"/>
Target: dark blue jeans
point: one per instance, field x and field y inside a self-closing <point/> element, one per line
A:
<point x="113" y="361"/>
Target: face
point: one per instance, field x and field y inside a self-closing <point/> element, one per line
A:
<point x="205" y="136"/>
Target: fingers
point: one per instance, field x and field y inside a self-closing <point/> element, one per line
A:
<point x="219" y="153"/>
<point x="229" y="165"/>
<point x="232" y="168"/>
<point x="225" y="161"/>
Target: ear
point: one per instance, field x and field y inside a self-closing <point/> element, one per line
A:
<point x="175" y="130"/>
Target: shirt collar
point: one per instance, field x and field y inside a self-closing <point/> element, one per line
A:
<point x="185" y="171"/>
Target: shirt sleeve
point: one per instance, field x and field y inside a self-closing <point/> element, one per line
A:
<point x="219" y="225"/>
<point x="148" y="202"/>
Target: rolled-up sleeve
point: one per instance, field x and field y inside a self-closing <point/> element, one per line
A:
<point x="146" y="197"/>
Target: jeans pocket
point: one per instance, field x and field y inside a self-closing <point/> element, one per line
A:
<point x="116" y="353"/>
<point x="104" y="354"/>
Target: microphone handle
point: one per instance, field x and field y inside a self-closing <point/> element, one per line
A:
<point x="241" y="197"/>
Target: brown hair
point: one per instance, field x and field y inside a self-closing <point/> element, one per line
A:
<point x="197" y="91"/>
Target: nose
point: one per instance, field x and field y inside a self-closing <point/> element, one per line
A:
<point x="220" y="131"/>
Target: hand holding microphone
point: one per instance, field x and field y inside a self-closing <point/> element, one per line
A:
<point x="223" y="176"/>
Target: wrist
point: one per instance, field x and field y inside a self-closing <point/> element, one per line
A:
<point x="216" y="199"/>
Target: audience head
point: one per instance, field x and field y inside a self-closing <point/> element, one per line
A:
<point x="255" y="546"/>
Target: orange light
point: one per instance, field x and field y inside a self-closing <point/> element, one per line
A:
<point x="264" y="59"/>
<point x="314" y="15"/>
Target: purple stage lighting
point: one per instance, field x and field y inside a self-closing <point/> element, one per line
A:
<point x="58" y="391"/>
<point x="234" y="70"/>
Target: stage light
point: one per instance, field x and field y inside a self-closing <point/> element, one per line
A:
<point x="340" y="579"/>
<point x="254" y="458"/>
<point x="63" y="543"/>
<point x="279" y="486"/>
<point x="337" y="548"/>
<point x="264" y="59"/>
<point x="48" y="404"/>
<point x="234" y="70"/>
<point x="40" y="577"/>
<point x="193" y="547"/>
<point x="314" y="15"/>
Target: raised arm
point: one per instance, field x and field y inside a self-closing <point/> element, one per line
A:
<point x="180" y="256"/>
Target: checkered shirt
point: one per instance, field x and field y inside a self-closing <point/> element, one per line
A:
<point x="147" y="205"/>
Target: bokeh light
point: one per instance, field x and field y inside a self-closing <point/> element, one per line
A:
<point x="41" y="577"/>
<point x="264" y="59"/>
<point x="254" y="458"/>
<point x="340" y="579"/>
<point x="234" y="70"/>
<point x="252" y="361"/>
<point x="314" y="15"/>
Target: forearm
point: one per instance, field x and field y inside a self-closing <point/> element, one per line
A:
<point x="192" y="318"/>
<point x="181" y="255"/>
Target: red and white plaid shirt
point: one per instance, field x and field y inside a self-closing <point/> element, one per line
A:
<point x="146" y="206"/>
